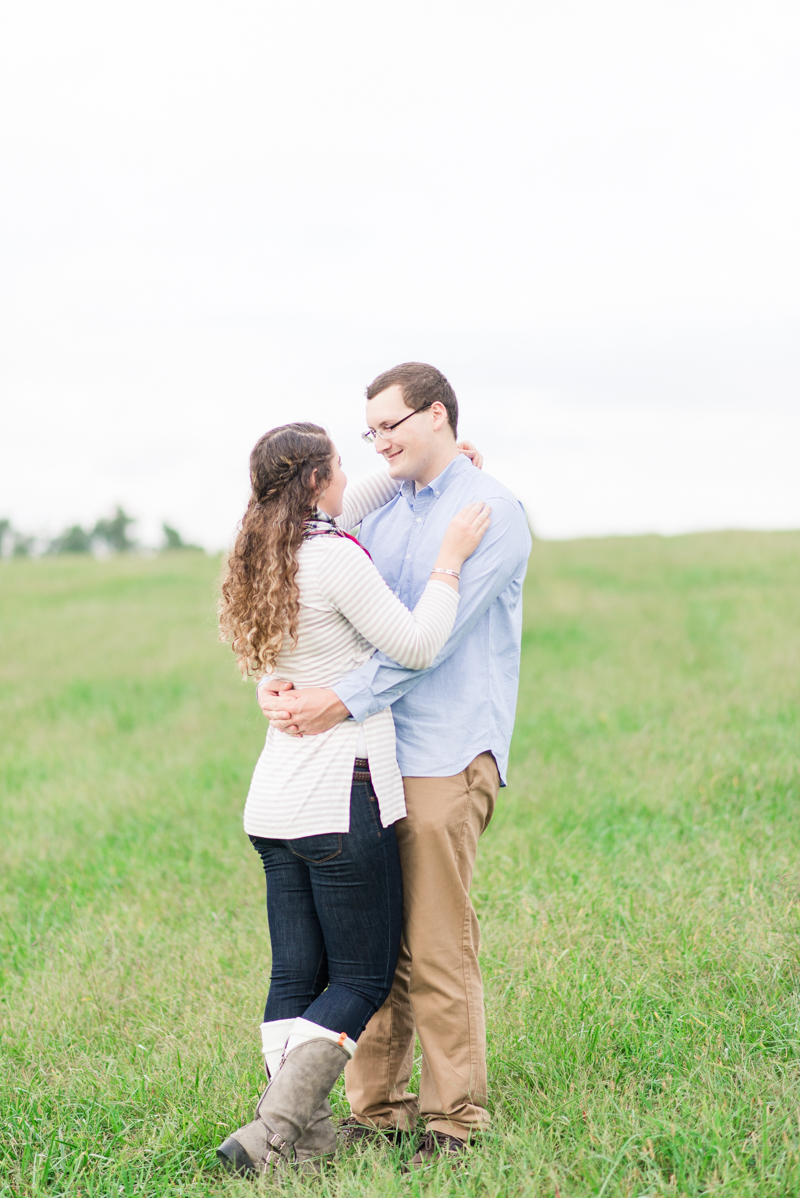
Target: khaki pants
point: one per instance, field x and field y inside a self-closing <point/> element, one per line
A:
<point x="438" y="984"/>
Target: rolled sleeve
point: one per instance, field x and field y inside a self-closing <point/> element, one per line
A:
<point x="356" y="695"/>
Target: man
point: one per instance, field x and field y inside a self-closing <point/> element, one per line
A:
<point x="453" y="724"/>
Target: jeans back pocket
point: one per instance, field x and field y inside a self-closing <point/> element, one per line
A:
<point x="317" y="849"/>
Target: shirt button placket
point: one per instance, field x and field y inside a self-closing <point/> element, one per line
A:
<point x="403" y="590"/>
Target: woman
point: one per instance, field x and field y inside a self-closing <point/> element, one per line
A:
<point x="302" y="599"/>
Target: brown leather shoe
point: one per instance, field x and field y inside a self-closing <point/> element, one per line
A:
<point x="351" y="1132"/>
<point x="435" y="1146"/>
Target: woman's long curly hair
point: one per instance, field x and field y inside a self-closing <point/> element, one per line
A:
<point x="259" y="604"/>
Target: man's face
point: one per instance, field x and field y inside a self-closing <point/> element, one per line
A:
<point x="407" y="448"/>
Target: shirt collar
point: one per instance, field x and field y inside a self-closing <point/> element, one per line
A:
<point x="437" y="485"/>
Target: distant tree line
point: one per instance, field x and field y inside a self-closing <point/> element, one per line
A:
<point x="109" y="535"/>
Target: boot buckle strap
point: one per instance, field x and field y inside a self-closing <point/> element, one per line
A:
<point x="277" y="1142"/>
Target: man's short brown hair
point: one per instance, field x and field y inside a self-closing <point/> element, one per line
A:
<point x="421" y="384"/>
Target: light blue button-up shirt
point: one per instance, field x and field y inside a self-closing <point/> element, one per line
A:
<point x="464" y="703"/>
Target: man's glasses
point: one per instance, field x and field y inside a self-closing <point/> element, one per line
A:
<point x="383" y="432"/>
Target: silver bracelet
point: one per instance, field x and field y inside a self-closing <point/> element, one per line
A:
<point x="440" y="570"/>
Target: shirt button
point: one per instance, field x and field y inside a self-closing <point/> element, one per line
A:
<point x="408" y="557"/>
<point x="419" y="519"/>
<point x="436" y="493"/>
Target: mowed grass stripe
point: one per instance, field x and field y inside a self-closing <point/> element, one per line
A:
<point x="638" y="888"/>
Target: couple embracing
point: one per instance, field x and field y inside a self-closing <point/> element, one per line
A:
<point x="388" y="668"/>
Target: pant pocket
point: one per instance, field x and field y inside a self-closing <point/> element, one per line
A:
<point x="317" y="848"/>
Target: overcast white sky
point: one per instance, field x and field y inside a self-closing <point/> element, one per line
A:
<point x="217" y="217"/>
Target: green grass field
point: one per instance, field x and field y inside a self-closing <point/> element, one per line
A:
<point x="639" y="888"/>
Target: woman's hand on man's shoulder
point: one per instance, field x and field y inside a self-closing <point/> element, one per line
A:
<point x="469" y="451"/>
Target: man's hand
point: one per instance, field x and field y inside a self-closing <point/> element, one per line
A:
<point x="300" y="713"/>
<point x="469" y="451"/>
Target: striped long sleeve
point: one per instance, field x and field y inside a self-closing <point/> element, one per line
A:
<point x="366" y="497"/>
<point x="355" y="588"/>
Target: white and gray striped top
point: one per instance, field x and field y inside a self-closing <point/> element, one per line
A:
<point x="301" y="786"/>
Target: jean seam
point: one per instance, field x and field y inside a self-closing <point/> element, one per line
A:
<point x="373" y="806"/>
<point x="322" y="957"/>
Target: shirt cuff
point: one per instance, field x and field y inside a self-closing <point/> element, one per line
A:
<point x="356" y="697"/>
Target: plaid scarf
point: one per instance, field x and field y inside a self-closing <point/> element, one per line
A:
<point x="320" y="524"/>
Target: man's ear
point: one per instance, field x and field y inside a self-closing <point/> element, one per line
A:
<point x="440" y="416"/>
<point x="313" y="479"/>
<point x="439" y="412"/>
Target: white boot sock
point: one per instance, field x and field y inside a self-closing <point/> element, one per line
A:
<point x="303" y="1030"/>
<point x="273" y="1042"/>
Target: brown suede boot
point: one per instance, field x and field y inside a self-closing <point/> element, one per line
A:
<point x="317" y="1145"/>
<point x="291" y="1102"/>
<point x="434" y="1147"/>
<point x="351" y="1133"/>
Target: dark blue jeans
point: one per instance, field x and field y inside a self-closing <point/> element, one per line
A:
<point x="335" y="908"/>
